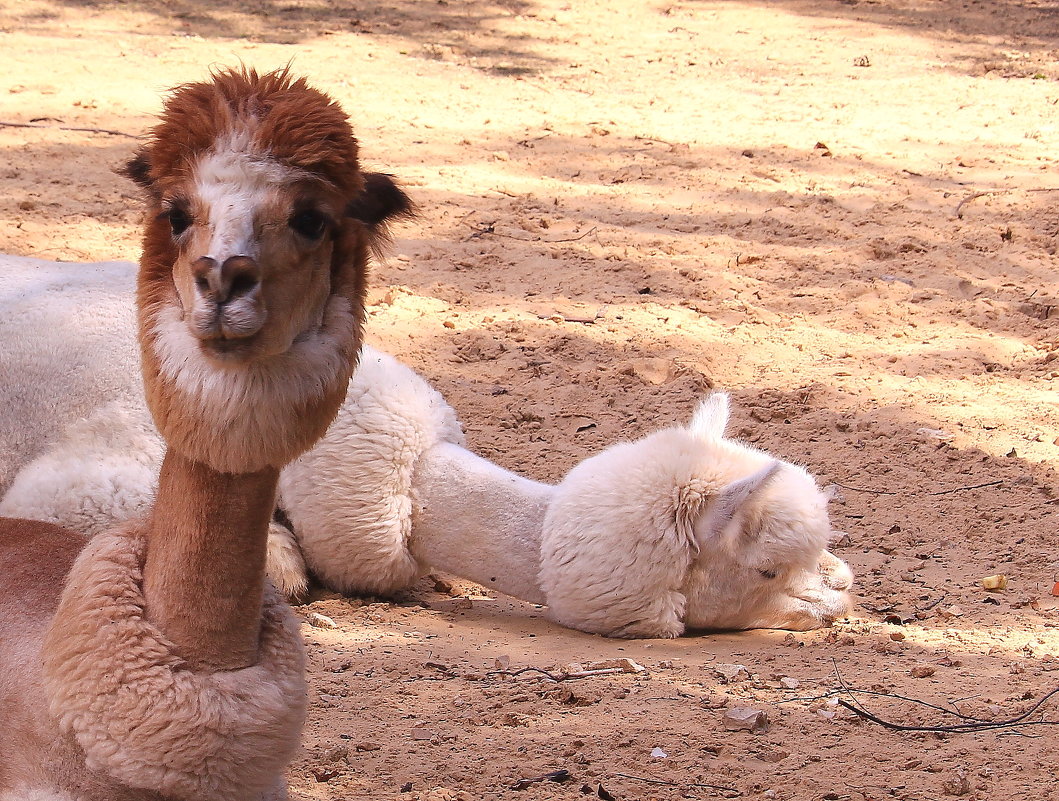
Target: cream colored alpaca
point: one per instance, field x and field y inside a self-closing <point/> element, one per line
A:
<point x="170" y="669"/>
<point x="630" y="543"/>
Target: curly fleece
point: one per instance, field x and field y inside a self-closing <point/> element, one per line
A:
<point x="141" y="714"/>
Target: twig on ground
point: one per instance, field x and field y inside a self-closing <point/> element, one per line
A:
<point x="933" y="603"/>
<point x="939" y="492"/>
<point x="106" y="131"/>
<point x="976" y="195"/>
<point x="558" y="776"/>
<point x="861" y="489"/>
<point x="489" y="229"/>
<point x="971" y="487"/>
<point x="853" y="690"/>
<point x="971" y="724"/>
<point x="677" y="784"/>
<point x="557" y="677"/>
<point x="639" y="138"/>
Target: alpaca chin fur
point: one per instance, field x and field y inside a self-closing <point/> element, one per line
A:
<point x="137" y="710"/>
<point x="217" y="424"/>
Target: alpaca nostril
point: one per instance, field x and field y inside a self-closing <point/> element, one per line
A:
<point x="240" y="275"/>
<point x="242" y="285"/>
<point x="202" y="271"/>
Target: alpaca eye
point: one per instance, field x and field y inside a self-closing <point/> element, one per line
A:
<point x="767" y="574"/>
<point x="310" y="224"/>
<point x="179" y="220"/>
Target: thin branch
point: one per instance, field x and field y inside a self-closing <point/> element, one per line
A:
<point x="860" y="489"/>
<point x="852" y="690"/>
<point x="958" y="728"/>
<point x="974" y="196"/>
<point x="106" y="131"/>
<point x="932" y="604"/>
<point x="489" y="229"/>
<point x="972" y="724"/>
<point x="677" y="784"/>
<point x="557" y="677"/>
<point x="971" y="487"/>
<point x="939" y="492"/>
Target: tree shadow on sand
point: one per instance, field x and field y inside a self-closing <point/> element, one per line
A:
<point x="475" y="30"/>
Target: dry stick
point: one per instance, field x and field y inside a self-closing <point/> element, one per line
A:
<point x="973" y="196"/>
<point x="677" y="784"/>
<point x="852" y="690"/>
<point x="940" y="492"/>
<point x="971" y="487"/>
<point x="581" y="674"/>
<point x="976" y="195"/>
<point x="860" y="489"/>
<point x="490" y="230"/>
<point x="932" y="604"/>
<point x="106" y="131"/>
<point x="976" y="724"/>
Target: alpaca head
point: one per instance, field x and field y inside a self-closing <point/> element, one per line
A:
<point x="251" y="285"/>
<point x="685" y="529"/>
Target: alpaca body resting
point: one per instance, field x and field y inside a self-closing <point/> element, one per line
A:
<point x="645" y="539"/>
<point x="153" y="662"/>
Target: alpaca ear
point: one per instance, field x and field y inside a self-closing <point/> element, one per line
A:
<point x="380" y="201"/>
<point x="727" y="503"/>
<point x="138" y="169"/>
<point x="711" y="417"/>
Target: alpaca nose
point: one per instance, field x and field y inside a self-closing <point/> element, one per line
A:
<point x="236" y="277"/>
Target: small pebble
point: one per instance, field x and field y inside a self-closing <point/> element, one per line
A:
<point x="316" y="620"/>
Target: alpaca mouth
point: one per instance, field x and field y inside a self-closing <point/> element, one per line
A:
<point x="228" y="350"/>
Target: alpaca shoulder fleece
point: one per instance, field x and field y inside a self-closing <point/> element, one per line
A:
<point x="115" y="684"/>
<point x="66" y="315"/>
<point x="350" y="498"/>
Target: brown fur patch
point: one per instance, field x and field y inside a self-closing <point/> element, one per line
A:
<point x="36" y="558"/>
<point x="288" y="120"/>
<point x="293" y="124"/>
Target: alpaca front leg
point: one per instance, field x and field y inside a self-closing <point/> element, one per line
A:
<point x="286" y="565"/>
<point x="277" y="793"/>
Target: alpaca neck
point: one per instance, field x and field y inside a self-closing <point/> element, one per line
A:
<point x="204" y="574"/>
<point x="478" y="521"/>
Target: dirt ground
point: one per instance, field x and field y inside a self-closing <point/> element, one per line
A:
<point x="844" y="212"/>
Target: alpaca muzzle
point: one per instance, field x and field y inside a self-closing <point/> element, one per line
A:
<point x="228" y="301"/>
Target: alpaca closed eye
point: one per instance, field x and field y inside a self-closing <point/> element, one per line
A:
<point x="308" y="223"/>
<point x="767" y="574"/>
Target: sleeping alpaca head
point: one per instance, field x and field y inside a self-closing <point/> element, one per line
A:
<point x="251" y="286"/>
<point x="685" y="529"/>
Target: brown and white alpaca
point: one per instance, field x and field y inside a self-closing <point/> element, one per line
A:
<point x="171" y="670"/>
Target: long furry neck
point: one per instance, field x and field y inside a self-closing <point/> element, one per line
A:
<point x="476" y="520"/>
<point x="204" y="573"/>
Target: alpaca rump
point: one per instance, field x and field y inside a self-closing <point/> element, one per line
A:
<point x="116" y="684"/>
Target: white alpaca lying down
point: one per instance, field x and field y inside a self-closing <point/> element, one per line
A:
<point x="683" y="529"/>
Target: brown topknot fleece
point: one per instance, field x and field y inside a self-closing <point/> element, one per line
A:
<point x="284" y="118"/>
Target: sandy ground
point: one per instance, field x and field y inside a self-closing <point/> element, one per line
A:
<point x="844" y="212"/>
